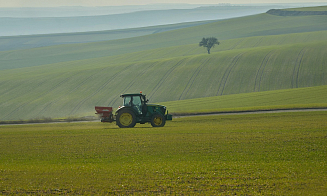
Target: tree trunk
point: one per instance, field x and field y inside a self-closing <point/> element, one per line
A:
<point x="208" y="51"/>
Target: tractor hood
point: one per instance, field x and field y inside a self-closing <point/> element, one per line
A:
<point x="155" y="105"/>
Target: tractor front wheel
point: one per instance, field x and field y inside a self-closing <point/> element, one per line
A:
<point x="158" y="120"/>
<point x="126" y="119"/>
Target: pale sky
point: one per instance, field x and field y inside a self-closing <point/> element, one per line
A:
<point x="55" y="3"/>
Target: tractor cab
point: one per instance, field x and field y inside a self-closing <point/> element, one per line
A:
<point x="135" y="101"/>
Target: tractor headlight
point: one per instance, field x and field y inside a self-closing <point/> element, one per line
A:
<point x="163" y="110"/>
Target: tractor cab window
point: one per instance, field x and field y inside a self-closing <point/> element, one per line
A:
<point x="136" y="100"/>
<point x="127" y="101"/>
<point x="132" y="101"/>
<point x="137" y="104"/>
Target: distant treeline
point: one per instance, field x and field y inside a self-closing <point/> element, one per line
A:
<point x="295" y="13"/>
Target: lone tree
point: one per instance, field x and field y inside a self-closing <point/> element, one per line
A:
<point x="209" y="43"/>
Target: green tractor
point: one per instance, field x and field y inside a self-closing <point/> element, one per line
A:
<point x="135" y="109"/>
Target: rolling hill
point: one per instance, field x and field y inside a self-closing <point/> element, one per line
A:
<point x="309" y="97"/>
<point x="36" y="41"/>
<point x="299" y="11"/>
<point x="245" y="27"/>
<point x="257" y="54"/>
<point x="10" y="26"/>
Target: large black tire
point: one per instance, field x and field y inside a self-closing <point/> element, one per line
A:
<point x="126" y="119"/>
<point x="158" y="120"/>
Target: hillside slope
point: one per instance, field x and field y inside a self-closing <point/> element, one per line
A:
<point x="251" y="26"/>
<point x="10" y="26"/>
<point x="62" y="90"/>
<point x="36" y="41"/>
<point x="309" y="97"/>
<point x="262" y="55"/>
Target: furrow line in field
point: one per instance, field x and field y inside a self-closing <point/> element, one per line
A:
<point x="64" y="95"/>
<point x="296" y="69"/>
<point x="260" y="71"/>
<point x="86" y="80"/>
<point x="15" y="110"/>
<point x="59" y="84"/>
<point x="163" y="79"/>
<point x="19" y="84"/>
<point x="130" y="84"/>
<point x="236" y="44"/>
<point x="8" y="90"/>
<point x="282" y="41"/>
<point x="3" y="83"/>
<point x="258" y="42"/>
<point x="227" y="73"/>
<point x="194" y="76"/>
<point x="307" y="37"/>
<point x="97" y="91"/>
<point x="41" y="94"/>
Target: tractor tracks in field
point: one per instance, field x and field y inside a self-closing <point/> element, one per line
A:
<point x="164" y="78"/>
<point x="14" y="110"/>
<point x="296" y="70"/>
<point x="227" y="72"/>
<point x="259" y="75"/>
<point x="258" y="42"/>
<point x="130" y="84"/>
<point x="40" y="95"/>
<point x="236" y="44"/>
<point x="75" y="88"/>
<point x="98" y="90"/>
<point x="49" y="104"/>
<point x="8" y="90"/>
<point x="192" y="79"/>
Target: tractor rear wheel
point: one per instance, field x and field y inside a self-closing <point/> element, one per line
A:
<point x="125" y="119"/>
<point x="158" y="120"/>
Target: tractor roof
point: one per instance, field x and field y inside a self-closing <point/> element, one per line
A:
<point x="131" y="94"/>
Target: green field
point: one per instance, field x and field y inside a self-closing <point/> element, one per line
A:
<point x="263" y="154"/>
<point x="245" y="27"/>
<point x="257" y="53"/>
<point x="36" y="41"/>
<point x="263" y="62"/>
<point x="310" y="97"/>
<point x="319" y="8"/>
<point x="61" y="90"/>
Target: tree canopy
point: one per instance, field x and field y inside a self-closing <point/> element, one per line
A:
<point x="209" y="43"/>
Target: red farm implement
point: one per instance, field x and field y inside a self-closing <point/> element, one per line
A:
<point x="105" y="113"/>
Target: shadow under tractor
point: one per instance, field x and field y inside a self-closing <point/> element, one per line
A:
<point x="135" y="109"/>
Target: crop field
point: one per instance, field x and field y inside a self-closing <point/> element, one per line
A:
<point x="257" y="53"/>
<point x="319" y="8"/>
<point x="245" y="27"/>
<point x="310" y="97"/>
<point x="61" y="90"/>
<point x="106" y="21"/>
<point x="35" y="41"/>
<point x="262" y="154"/>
